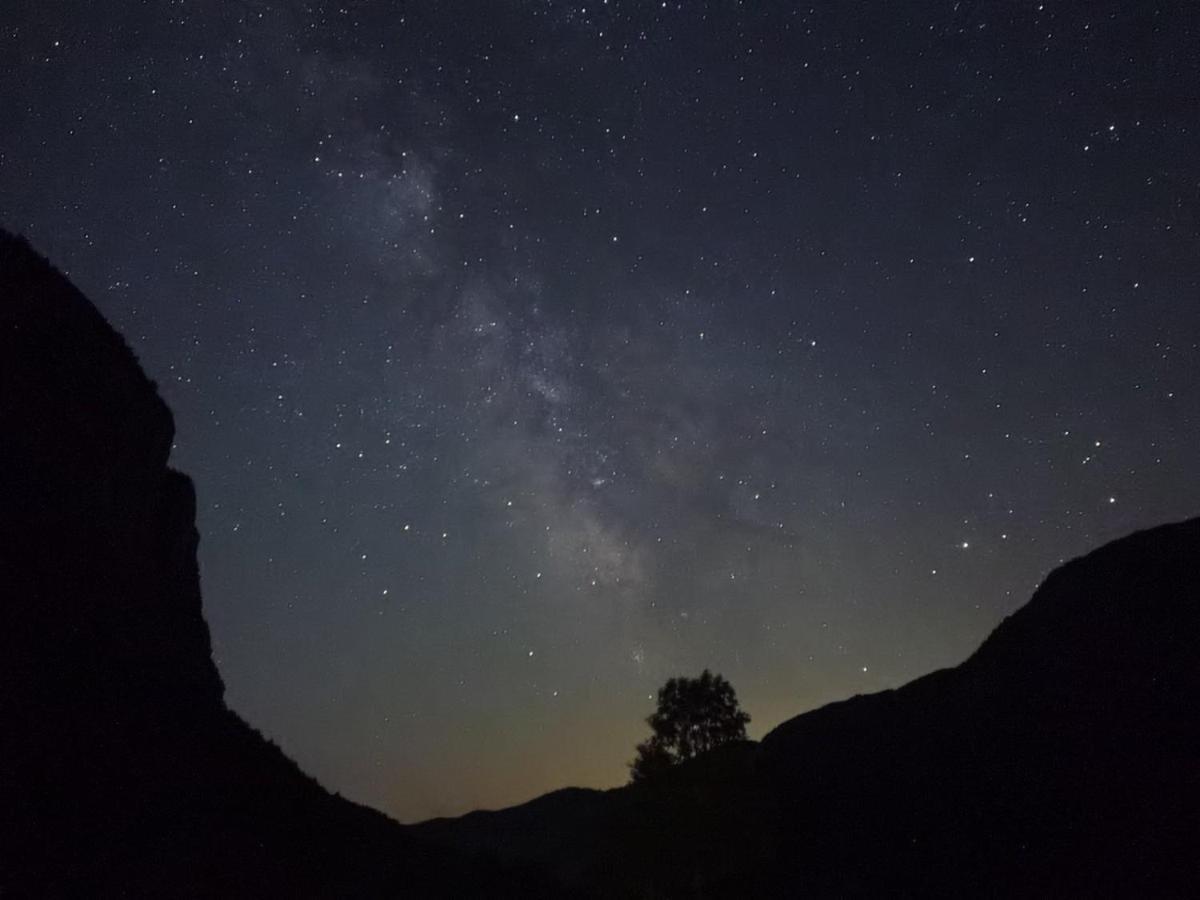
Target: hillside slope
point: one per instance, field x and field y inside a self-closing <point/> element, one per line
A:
<point x="1061" y="759"/>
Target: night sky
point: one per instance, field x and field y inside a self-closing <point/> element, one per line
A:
<point x="525" y="354"/>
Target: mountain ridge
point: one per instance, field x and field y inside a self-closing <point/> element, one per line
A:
<point x="1060" y="745"/>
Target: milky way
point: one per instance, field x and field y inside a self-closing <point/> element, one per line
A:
<point x="525" y="354"/>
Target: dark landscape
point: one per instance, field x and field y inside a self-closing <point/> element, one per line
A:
<point x="1062" y="758"/>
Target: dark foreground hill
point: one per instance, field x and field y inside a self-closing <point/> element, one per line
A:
<point x="122" y="773"/>
<point x="1062" y="759"/>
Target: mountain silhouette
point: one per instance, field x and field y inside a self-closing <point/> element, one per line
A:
<point x="1061" y="759"/>
<point x="122" y="772"/>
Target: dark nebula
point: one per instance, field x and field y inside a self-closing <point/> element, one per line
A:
<point x="525" y="354"/>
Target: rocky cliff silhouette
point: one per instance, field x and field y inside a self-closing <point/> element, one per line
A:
<point x="122" y="773"/>
<point x="1062" y="759"/>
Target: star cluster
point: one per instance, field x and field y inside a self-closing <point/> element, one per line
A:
<point x="527" y="353"/>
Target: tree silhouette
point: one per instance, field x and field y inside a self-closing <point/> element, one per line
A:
<point x="693" y="716"/>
